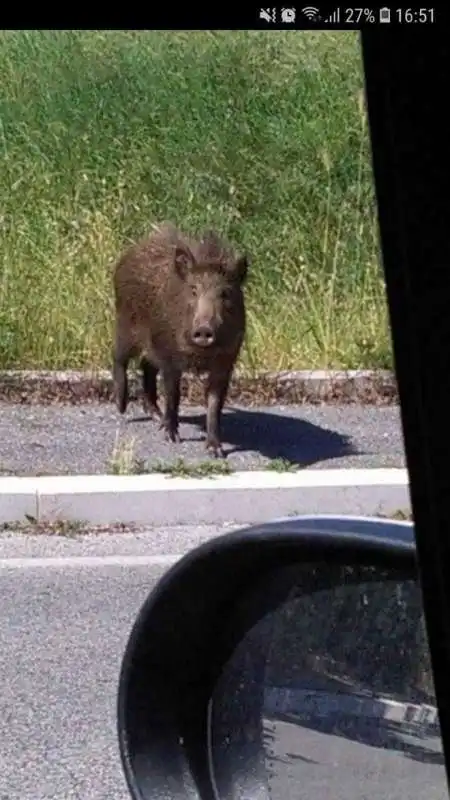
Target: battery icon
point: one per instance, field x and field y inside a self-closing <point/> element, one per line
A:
<point x="385" y="14"/>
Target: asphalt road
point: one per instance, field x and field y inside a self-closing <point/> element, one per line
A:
<point x="81" y="439"/>
<point x="62" y="634"/>
<point x="67" y="607"/>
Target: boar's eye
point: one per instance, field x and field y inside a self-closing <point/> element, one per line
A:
<point x="225" y="294"/>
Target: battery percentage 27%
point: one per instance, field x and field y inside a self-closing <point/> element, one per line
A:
<point x="354" y="16"/>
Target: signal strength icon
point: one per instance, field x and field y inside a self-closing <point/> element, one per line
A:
<point x="311" y="13"/>
<point x="334" y="18"/>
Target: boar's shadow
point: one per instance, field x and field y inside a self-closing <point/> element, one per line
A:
<point x="275" y="436"/>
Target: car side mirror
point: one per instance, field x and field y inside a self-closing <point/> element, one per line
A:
<point x="286" y="660"/>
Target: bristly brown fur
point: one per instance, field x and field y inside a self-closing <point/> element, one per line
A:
<point x="179" y="306"/>
<point x="211" y="249"/>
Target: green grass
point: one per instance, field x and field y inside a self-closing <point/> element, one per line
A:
<point x="61" y="527"/>
<point x="124" y="461"/>
<point x="282" y="465"/>
<point x="401" y="515"/>
<point x="180" y="468"/>
<point x="262" y="135"/>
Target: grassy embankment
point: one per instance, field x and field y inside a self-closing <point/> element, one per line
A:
<point x="263" y="135"/>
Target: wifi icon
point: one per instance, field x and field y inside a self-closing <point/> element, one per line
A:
<point x="310" y="12"/>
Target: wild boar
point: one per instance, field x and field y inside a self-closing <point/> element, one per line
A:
<point x="180" y="307"/>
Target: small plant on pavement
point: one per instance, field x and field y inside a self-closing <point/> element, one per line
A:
<point x="282" y="465"/>
<point x="400" y="514"/>
<point x="123" y="459"/>
<point x="183" y="469"/>
<point x="59" y="527"/>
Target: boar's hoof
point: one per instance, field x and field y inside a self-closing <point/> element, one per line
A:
<point x="214" y="447"/>
<point x="170" y="430"/>
<point x="152" y="410"/>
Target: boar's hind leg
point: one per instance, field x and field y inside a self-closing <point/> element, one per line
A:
<point x="149" y="375"/>
<point x="216" y="392"/>
<point x="169" y="423"/>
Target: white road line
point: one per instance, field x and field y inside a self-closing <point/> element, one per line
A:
<point x="81" y="562"/>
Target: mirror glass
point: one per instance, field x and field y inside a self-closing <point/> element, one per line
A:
<point x="329" y="693"/>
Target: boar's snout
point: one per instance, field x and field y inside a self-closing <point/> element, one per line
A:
<point x="203" y="335"/>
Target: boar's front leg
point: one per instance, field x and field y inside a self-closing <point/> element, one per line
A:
<point x="171" y="381"/>
<point x="216" y="392"/>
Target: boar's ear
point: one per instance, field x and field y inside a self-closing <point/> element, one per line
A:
<point x="183" y="259"/>
<point x="211" y="241"/>
<point x="239" y="268"/>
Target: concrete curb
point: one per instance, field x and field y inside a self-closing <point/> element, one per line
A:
<point x="321" y="704"/>
<point x="314" y="376"/>
<point x="288" y="386"/>
<point x="242" y="497"/>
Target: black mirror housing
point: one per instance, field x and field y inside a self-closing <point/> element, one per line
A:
<point x="187" y="627"/>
